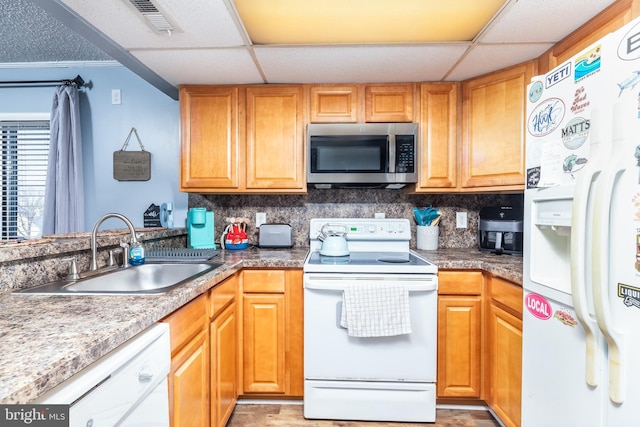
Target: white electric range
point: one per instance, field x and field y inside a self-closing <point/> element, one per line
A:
<point x="369" y="378"/>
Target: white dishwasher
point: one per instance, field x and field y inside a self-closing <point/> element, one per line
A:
<point x="126" y="387"/>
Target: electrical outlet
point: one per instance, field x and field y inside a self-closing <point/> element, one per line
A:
<point x="261" y="218"/>
<point x="461" y="220"/>
<point x="379" y="215"/>
<point x="116" y="96"/>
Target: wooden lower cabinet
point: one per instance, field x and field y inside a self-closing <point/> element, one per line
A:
<point x="272" y="342"/>
<point x="223" y="332"/>
<point x="505" y="350"/>
<point x="480" y="342"/>
<point x="459" y="334"/>
<point x="459" y="341"/>
<point x="189" y="373"/>
<point x="264" y="343"/>
<point x="506" y="366"/>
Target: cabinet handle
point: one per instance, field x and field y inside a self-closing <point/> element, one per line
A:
<point x="145" y="376"/>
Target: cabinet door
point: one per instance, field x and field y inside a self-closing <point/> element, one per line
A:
<point x="505" y="366"/>
<point x="264" y="352"/>
<point x="493" y="140"/>
<point x="273" y="340"/>
<point x="389" y="103"/>
<point x="189" y="385"/>
<point x="295" y="333"/>
<point x="459" y="340"/>
<point x="209" y="138"/>
<point x="334" y="104"/>
<point x="438" y="136"/>
<point x="224" y="372"/>
<point x="275" y="157"/>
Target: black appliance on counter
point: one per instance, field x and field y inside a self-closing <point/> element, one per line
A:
<point x="500" y="230"/>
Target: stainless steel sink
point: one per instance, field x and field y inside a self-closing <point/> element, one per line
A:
<point x="142" y="279"/>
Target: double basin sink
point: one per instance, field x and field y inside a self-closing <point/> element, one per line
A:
<point x="145" y="279"/>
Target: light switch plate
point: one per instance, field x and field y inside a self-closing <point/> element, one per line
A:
<point x="461" y="220"/>
<point x="116" y="97"/>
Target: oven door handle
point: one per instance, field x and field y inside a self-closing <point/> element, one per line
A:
<point x="332" y="284"/>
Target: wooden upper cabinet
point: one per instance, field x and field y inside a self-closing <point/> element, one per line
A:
<point x="389" y="102"/>
<point x="237" y="139"/>
<point x="358" y="103"/>
<point x="275" y="157"/>
<point x="438" y="137"/>
<point x="334" y="104"/>
<point x="209" y="137"/>
<point x="493" y="132"/>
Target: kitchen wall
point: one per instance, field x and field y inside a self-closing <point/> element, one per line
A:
<point x="104" y="130"/>
<point x="297" y="210"/>
<point x="156" y="117"/>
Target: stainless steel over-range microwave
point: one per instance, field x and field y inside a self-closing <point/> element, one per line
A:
<point x="362" y="155"/>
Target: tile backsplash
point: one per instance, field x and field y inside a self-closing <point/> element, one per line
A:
<point x="297" y="210"/>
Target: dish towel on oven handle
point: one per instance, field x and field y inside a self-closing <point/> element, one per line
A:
<point x="375" y="311"/>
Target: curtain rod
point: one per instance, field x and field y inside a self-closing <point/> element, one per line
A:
<point x="78" y="81"/>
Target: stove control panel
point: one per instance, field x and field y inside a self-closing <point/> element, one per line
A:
<point x="363" y="228"/>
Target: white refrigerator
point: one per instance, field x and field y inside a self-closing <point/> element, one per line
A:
<point x="581" y="316"/>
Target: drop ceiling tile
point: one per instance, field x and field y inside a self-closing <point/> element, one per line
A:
<point x="484" y="59"/>
<point x="542" y="20"/>
<point x="199" y="23"/>
<point x="202" y="66"/>
<point x="357" y="64"/>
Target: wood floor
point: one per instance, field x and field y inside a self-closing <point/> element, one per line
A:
<point x="256" y="415"/>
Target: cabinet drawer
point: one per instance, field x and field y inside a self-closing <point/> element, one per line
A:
<point x="460" y="282"/>
<point x="222" y="295"/>
<point x="264" y="281"/>
<point x="187" y="322"/>
<point x="508" y="294"/>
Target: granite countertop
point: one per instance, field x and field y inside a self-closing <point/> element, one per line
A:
<point x="47" y="339"/>
<point x="506" y="266"/>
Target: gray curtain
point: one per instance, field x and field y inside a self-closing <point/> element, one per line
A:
<point x="64" y="193"/>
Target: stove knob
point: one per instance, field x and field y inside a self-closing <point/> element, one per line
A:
<point x="372" y="229"/>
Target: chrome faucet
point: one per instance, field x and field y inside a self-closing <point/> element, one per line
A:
<point x="94" y="233"/>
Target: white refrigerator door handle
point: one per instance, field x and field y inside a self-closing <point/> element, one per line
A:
<point x="600" y="267"/>
<point x="578" y="270"/>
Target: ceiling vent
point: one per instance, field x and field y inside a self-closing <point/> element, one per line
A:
<point x="153" y="16"/>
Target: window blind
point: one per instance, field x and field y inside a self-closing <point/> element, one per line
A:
<point x="25" y="149"/>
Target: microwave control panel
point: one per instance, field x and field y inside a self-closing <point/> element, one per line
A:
<point x="405" y="154"/>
